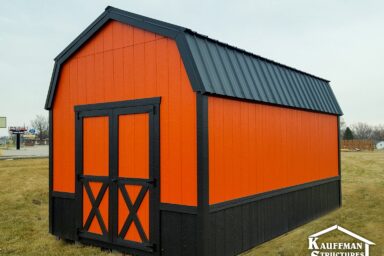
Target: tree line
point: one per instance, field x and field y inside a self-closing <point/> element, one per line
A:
<point x="361" y="131"/>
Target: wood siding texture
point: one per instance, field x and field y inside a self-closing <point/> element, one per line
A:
<point x="255" y="148"/>
<point x="121" y="63"/>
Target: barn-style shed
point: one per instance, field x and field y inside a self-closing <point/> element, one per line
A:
<point x="166" y="142"/>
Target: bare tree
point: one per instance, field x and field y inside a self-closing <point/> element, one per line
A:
<point x="40" y="124"/>
<point x="362" y="131"/>
<point x="378" y="133"/>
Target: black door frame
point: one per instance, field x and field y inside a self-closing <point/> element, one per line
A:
<point x="112" y="111"/>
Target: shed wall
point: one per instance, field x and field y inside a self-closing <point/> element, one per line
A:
<point x="120" y="63"/>
<point x="256" y="148"/>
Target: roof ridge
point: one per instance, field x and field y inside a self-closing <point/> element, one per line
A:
<point x="146" y="19"/>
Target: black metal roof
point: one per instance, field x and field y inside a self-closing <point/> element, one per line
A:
<point x="217" y="68"/>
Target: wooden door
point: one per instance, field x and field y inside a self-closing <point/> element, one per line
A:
<point x="117" y="160"/>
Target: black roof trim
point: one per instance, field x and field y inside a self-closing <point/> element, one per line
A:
<point x="321" y="99"/>
<point x="113" y="13"/>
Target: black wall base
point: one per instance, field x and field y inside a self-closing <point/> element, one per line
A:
<point x="233" y="227"/>
<point x="63" y="217"/>
<point x="236" y="229"/>
<point x="178" y="233"/>
<point x="178" y="227"/>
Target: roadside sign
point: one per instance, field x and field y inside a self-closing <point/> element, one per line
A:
<point x="3" y="122"/>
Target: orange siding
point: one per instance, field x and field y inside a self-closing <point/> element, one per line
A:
<point x="254" y="148"/>
<point x="122" y="63"/>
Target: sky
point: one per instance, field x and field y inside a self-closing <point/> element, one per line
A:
<point x="342" y="41"/>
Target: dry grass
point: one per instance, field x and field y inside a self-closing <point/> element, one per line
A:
<point x="362" y="211"/>
<point x="24" y="210"/>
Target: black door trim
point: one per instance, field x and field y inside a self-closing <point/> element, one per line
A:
<point x="112" y="110"/>
<point x="120" y="104"/>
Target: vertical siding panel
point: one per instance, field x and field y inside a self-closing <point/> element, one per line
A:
<point x="162" y="89"/>
<point x="212" y="121"/>
<point x="128" y="74"/>
<point x="291" y="142"/>
<point x="235" y="172"/>
<point x="89" y="76"/>
<point x="138" y="36"/>
<point x="174" y="122"/>
<point x="258" y="114"/>
<point x="253" y="150"/>
<point x="150" y="68"/>
<point x="68" y="163"/>
<point x="127" y="34"/>
<point x="226" y="188"/>
<point x="60" y="167"/>
<point x="69" y="134"/>
<point x="110" y="90"/>
<point x="73" y="82"/>
<point x="98" y="86"/>
<point x="81" y="79"/>
<point x="118" y="73"/>
<point x="245" y="165"/>
<point x="221" y="157"/>
<point x="108" y="37"/>
<point x="117" y="35"/>
<point x="74" y="100"/>
<point x="217" y="162"/>
<point x="98" y="41"/>
<point x="188" y="138"/>
<point x="138" y="75"/>
<point x="149" y="36"/>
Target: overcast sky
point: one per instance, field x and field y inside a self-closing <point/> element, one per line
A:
<point x="342" y="41"/>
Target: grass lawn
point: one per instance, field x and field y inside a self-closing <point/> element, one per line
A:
<point x="362" y="211"/>
<point x="24" y="210"/>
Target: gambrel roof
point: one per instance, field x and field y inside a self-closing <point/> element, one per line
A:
<point x="216" y="68"/>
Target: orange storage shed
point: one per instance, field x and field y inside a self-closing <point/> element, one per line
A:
<point x="166" y="142"/>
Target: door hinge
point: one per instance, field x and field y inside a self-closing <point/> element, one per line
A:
<point x="80" y="176"/>
<point x="152" y="182"/>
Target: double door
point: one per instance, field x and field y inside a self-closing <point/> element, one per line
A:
<point x="117" y="166"/>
